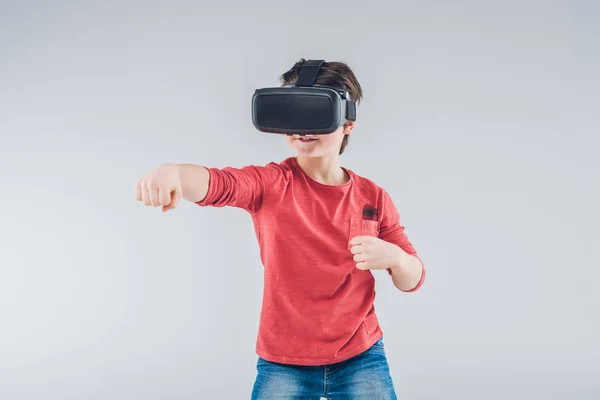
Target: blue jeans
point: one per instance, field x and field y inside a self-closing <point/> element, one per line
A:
<point x="362" y="377"/>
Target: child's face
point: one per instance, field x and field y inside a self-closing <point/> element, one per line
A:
<point x="319" y="145"/>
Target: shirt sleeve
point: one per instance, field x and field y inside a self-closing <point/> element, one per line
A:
<point x="391" y="230"/>
<point x="238" y="187"/>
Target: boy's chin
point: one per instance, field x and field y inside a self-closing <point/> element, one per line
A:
<point x="313" y="151"/>
<point x="307" y="152"/>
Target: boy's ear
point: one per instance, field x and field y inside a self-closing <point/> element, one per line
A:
<point x="348" y="127"/>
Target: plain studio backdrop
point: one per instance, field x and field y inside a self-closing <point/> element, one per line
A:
<point x="479" y="118"/>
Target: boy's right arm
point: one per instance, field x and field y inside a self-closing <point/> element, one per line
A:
<point x="194" y="182"/>
<point x="167" y="184"/>
<point x="244" y="187"/>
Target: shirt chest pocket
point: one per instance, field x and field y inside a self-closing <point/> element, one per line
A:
<point x="362" y="227"/>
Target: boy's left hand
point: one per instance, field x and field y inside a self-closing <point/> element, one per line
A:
<point x="371" y="252"/>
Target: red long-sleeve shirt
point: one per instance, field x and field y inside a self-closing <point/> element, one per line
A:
<point x="318" y="308"/>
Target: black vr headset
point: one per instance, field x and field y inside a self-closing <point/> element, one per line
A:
<point x="303" y="108"/>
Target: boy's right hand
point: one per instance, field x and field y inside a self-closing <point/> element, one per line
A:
<point x="161" y="187"/>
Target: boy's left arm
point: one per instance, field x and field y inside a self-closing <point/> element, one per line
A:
<point x="391" y="250"/>
<point x="408" y="271"/>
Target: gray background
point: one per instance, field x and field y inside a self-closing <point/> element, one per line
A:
<point x="477" y="118"/>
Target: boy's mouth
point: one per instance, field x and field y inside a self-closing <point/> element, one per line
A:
<point x="306" y="138"/>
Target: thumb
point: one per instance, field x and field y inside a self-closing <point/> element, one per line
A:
<point x="175" y="199"/>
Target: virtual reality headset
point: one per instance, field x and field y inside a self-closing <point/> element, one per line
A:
<point x="303" y="108"/>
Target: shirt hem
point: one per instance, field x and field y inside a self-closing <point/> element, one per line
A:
<point x="321" y="361"/>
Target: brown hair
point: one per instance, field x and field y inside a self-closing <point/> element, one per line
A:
<point x="333" y="73"/>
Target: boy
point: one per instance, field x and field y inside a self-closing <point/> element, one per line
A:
<point x="321" y="229"/>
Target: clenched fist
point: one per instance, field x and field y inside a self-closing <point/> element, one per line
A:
<point x="161" y="187"/>
<point x="373" y="253"/>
